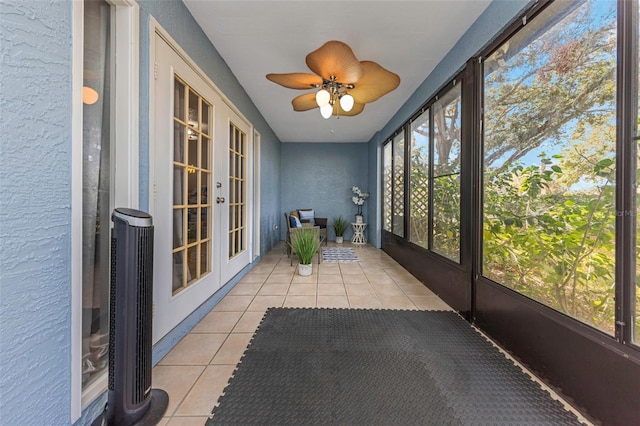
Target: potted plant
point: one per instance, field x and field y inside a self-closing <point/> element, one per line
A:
<point x="339" y="226"/>
<point x="305" y="243"/>
<point x="358" y="199"/>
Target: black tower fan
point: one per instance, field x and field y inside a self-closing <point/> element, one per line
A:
<point x="131" y="399"/>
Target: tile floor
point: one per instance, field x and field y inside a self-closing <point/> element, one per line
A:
<point x="198" y="368"/>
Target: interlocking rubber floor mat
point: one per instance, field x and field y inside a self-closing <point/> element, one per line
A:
<point x="383" y="367"/>
<point x="339" y="254"/>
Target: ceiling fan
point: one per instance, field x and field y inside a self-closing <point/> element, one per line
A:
<point x="345" y="83"/>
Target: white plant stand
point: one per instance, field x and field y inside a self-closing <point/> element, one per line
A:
<point x="358" y="233"/>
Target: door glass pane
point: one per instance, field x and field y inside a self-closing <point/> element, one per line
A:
<point x="97" y="190"/>
<point x="549" y="161"/>
<point x="191" y="189"/>
<point x="178" y="142"/>
<point x="178" y="228"/>
<point x="237" y="199"/>
<point x="206" y="117"/>
<point x="446" y="174"/>
<point x="398" y="184"/>
<point x="387" y="160"/>
<point x="419" y="181"/>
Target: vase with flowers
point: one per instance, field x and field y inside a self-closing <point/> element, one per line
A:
<point x="358" y="199"/>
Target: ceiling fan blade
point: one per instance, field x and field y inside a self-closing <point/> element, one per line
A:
<point x="296" y="80"/>
<point x="335" y="59"/>
<point x="304" y="102"/>
<point x="376" y="82"/>
<point x="338" y="111"/>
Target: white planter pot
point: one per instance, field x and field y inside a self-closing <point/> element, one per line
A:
<point x="339" y="240"/>
<point x="304" y="270"/>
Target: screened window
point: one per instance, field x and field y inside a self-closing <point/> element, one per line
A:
<point x="97" y="188"/>
<point x="398" y="185"/>
<point x="387" y="180"/>
<point x="446" y="174"/>
<point x="637" y="183"/>
<point x="549" y="161"/>
<point x="419" y="181"/>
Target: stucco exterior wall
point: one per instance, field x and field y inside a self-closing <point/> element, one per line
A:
<point x="35" y="212"/>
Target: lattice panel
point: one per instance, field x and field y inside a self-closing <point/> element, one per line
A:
<point x="386" y="198"/>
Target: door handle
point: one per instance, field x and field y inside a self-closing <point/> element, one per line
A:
<point x="220" y="200"/>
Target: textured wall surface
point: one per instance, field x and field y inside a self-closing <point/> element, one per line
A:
<point x="35" y="215"/>
<point x="320" y="176"/>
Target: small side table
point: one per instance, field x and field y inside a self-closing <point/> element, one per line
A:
<point x="358" y="233"/>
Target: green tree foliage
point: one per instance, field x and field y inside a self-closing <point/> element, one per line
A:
<point x="549" y="225"/>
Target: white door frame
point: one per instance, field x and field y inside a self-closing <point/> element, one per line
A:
<point x="156" y="29"/>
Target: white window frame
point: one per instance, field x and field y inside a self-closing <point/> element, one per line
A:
<point x="126" y="18"/>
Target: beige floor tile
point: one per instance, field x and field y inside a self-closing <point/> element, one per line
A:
<point x="302" y="290"/>
<point x="402" y="276"/>
<point x="311" y="279"/>
<point x="261" y="303"/>
<point x="274" y="290"/>
<point x="206" y="391"/>
<point x="293" y="301"/>
<point x="233" y="303"/>
<point x="330" y="279"/>
<point x="430" y="303"/>
<point x="397" y="302"/>
<point x="245" y="289"/>
<point x="381" y="278"/>
<point x="194" y="349"/>
<point x="333" y="302"/>
<point x="164" y="421"/>
<point x="329" y="269"/>
<point x="331" y="290"/>
<point x="249" y="322"/>
<point x="285" y="270"/>
<point x="416" y="290"/>
<point x="232" y="349"/>
<point x="176" y="380"/>
<point x="350" y="268"/>
<point x="359" y="290"/>
<point x="355" y="279"/>
<point x="279" y="279"/>
<point x="217" y="322"/>
<point x="262" y="269"/>
<point x="365" y="302"/>
<point x="384" y="290"/>
<point x="188" y="421"/>
<point x="254" y="278"/>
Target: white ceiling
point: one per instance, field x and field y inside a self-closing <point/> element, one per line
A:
<point x="255" y="38"/>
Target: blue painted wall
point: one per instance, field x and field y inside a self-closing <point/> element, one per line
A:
<point x="320" y="176"/>
<point x="35" y="213"/>
<point x="498" y="15"/>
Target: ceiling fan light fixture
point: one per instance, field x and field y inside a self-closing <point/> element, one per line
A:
<point x="326" y="110"/>
<point x="322" y="97"/>
<point x="346" y="102"/>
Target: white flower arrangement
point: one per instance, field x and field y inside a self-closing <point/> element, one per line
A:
<point x="359" y="198"/>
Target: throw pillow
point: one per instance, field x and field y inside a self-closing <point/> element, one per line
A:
<point x="307" y="216"/>
<point x="294" y="222"/>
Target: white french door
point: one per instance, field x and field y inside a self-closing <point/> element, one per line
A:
<point x="200" y="189"/>
<point x="233" y="190"/>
